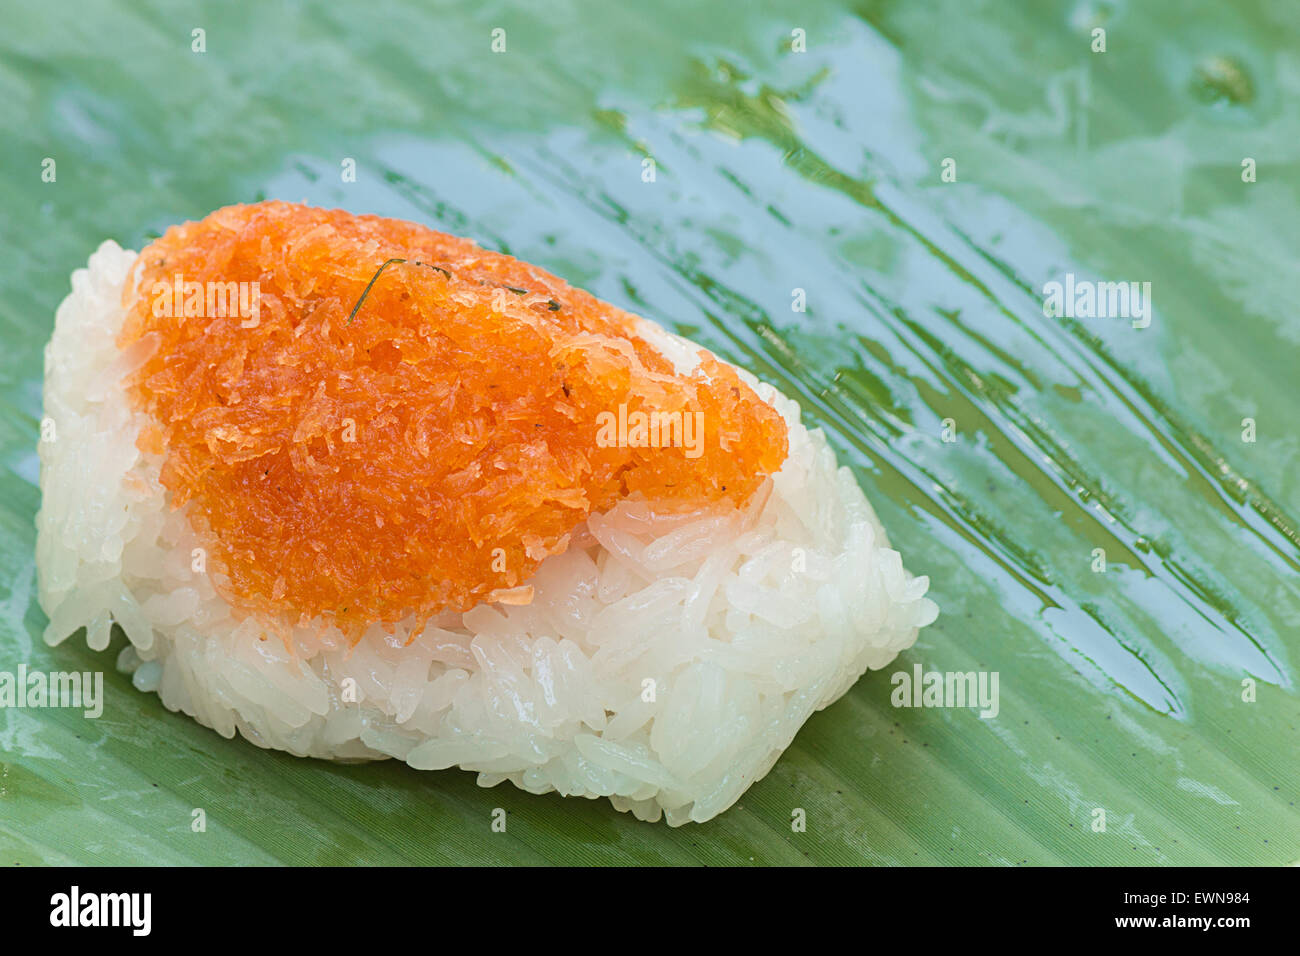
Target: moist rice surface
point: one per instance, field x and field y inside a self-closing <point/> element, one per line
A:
<point x="665" y="661"/>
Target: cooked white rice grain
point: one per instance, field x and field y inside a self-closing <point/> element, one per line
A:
<point x="664" y="662"/>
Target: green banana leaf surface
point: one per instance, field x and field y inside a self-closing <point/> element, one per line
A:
<point x="863" y="203"/>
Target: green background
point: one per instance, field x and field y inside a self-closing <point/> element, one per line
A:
<point x="776" y="170"/>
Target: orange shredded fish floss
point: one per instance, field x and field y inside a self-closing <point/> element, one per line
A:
<point x="361" y="439"/>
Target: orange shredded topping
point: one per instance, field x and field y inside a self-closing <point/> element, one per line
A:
<point x="377" y="442"/>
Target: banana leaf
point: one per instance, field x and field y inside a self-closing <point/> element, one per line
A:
<point x="1108" y="510"/>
